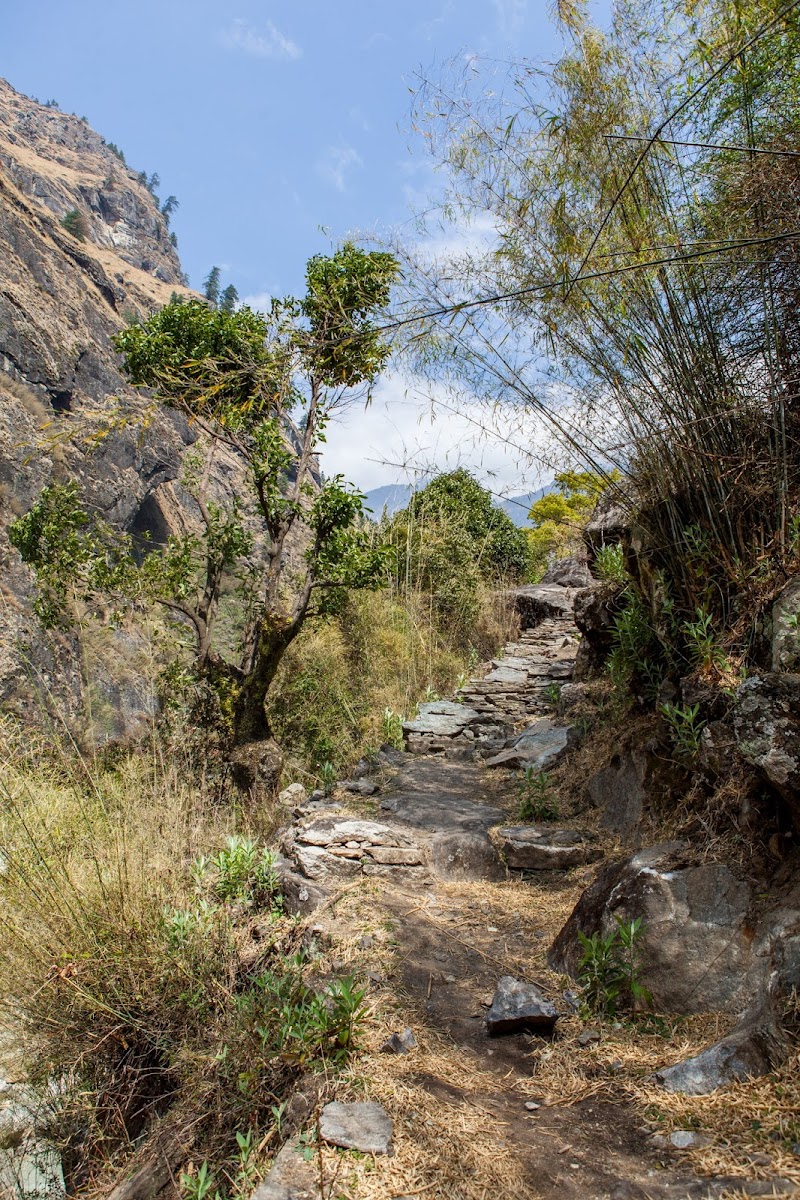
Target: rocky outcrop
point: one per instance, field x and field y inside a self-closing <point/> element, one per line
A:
<point x="766" y="722"/>
<point x="697" y="936"/>
<point x="539" y="848"/>
<point x="595" y="608"/>
<point x="785" y="631"/>
<point x="568" y="572"/>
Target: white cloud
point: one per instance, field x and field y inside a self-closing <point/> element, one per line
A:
<point x="510" y="15"/>
<point x="336" y="161"/>
<point x="407" y="434"/>
<point x="269" y="43"/>
<point x="259" y="301"/>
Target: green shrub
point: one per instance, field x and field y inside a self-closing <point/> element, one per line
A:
<point x="609" y="564"/>
<point x="609" y="970"/>
<point x="75" y="223"/>
<point x="537" y="800"/>
<point x="686" y="728"/>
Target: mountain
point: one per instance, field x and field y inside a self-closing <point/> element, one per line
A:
<point x="62" y="299"/>
<point x="396" y="496"/>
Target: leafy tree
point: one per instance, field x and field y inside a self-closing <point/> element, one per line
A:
<point x="75" y="223"/>
<point x="451" y="540"/>
<point x="558" y="516"/>
<point x="211" y="286"/>
<point x="229" y="298"/>
<point x="169" y="206"/>
<point x="240" y="375"/>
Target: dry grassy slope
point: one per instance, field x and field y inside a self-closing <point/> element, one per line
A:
<point x="61" y="302"/>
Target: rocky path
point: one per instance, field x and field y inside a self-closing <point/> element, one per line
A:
<point x="408" y="877"/>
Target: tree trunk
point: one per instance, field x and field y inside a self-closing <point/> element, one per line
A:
<point x="256" y="759"/>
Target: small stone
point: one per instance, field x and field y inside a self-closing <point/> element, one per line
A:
<point x="588" y="1036"/>
<point x="686" y="1139"/>
<point x="520" y="1007"/>
<point x="363" y="1126"/>
<point x="796" y="1149"/>
<point x="492" y="929"/>
<point x="449" y="979"/>
<point x="532" y="1106"/>
<point x="294" y="794"/>
<point x="395" y="856"/>
<point x="399" y="1043"/>
<point x="366" y="941"/>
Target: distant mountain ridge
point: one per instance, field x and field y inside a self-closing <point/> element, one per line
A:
<point x="396" y="496"/>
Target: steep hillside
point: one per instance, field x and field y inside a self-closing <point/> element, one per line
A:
<point x="61" y="301"/>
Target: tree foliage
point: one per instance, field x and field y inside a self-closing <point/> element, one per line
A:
<point x="243" y="378"/>
<point x="651" y="318"/>
<point x="557" y="517"/>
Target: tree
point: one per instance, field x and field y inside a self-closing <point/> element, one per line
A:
<point x="558" y="516"/>
<point x="211" y="286"/>
<point x="75" y="223"/>
<point x="229" y="298"/>
<point x="240" y="376"/>
<point x="450" y="541"/>
<point x="644" y="317"/>
<point x="168" y="207"/>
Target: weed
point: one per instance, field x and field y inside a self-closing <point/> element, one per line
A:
<point x="685" y="726"/>
<point x="704" y="649"/>
<point x="245" y="872"/>
<point x="537" y="800"/>
<point x="392" y="729"/>
<point x="609" y="970"/>
<point x="552" y="694"/>
<point x="609" y="564"/>
<point x="328" y="776"/>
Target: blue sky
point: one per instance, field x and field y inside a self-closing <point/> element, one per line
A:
<point x="280" y="127"/>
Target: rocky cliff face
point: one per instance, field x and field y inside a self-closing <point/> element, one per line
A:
<point x="61" y="301"/>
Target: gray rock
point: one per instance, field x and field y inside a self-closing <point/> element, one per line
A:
<point x="400" y="1043"/>
<point x="538" y="602"/>
<point x="766" y="722"/>
<point x="293" y="795"/>
<point x="785" y="633"/>
<point x="291" y="1176"/>
<point x="539" y="746"/>
<point x="465" y="855"/>
<point x="752" y="1049"/>
<point x="443" y="718"/>
<point x="618" y="790"/>
<point x="588" y="1037"/>
<point x="596" y="608"/>
<point x="32" y="1171"/>
<point x="332" y="846"/>
<point x="686" y="1139"/>
<point x="538" y="848"/>
<point x="569" y="572"/>
<point x="519" y="1007"/>
<point x="364" y="1126"/>
<point x="696" y="942"/>
<point x="359" y="787"/>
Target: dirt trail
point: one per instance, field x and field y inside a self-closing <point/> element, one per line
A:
<point x="434" y="932"/>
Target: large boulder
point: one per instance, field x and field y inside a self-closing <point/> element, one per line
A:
<point x="766" y="721"/>
<point x="696" y="938"/>
<point x="785" y="632"/>
<point x="610" y="522"/>
<point x="568" y="572"/>
<point x="536" y="602"/>
<point x="595" y="610"/>
<point x="539" y="848"/>
<point x="753" y="1048"/>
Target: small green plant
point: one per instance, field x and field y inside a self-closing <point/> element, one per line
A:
<point x="685" y="726"/>
<point x="633" y="641"/>
<point x="75" y="224"/>
<point x="552" y="694"/>
<point x="609" y="970"/>
<point x="328" y="776"/>
<point x="199" y="1186"/>
<point x="242" y="871"/>
<point x="704" y="648"/>
<point x="392" y="729"/>
<point x="431" y="695"/>
<point x="537" y="800"/>
<point x="609" y="564"/>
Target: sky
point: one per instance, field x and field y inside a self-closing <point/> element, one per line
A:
<point x="282" y="128"/>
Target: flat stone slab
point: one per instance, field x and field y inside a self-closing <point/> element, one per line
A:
<point x="505" y="674"/>
<point x="519" y="1007"/>
<point x="538" y="746"/>
<point x="538" y="848"/>
<point x="291" y="1177"/>
<point x="444" y="718"/>
<point x="334" y="846"/>
<point x="364" y="1126"/>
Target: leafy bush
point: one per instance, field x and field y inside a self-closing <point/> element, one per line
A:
<point x="537" y="800"/>
<point x="75" y="223"/>
<point x="686" y="728"/>
<point x="609" y="970"/>
<point x="609" y="564"/>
